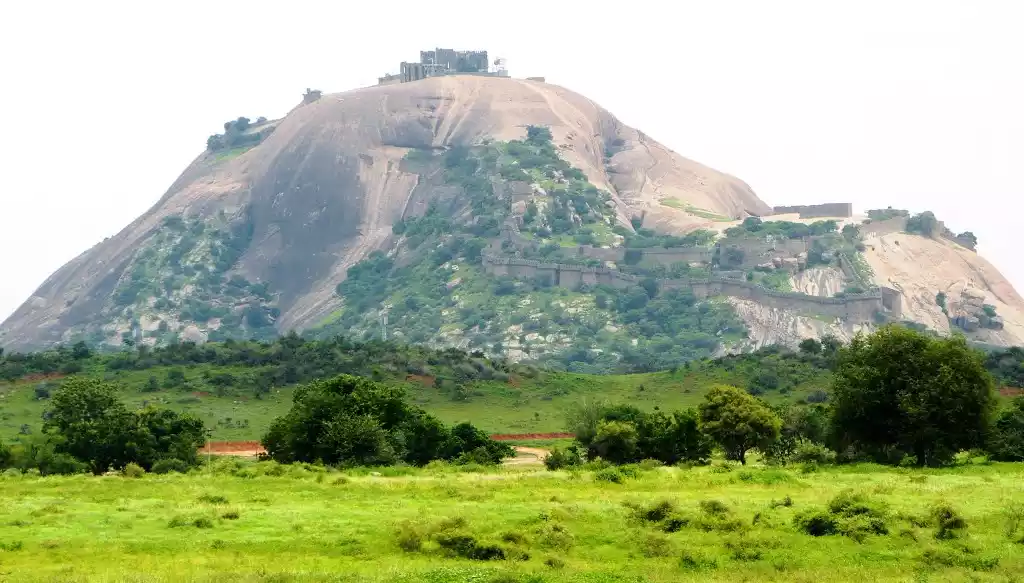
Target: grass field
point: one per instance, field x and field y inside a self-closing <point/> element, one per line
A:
<point x="523" y="405"/>
<point x="244" y="521"/>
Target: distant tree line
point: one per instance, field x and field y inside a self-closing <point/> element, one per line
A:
<point x="288" y="360"/>
<point x="88" y="429"/>
<point x="351" y="421"/>
<point x="898" y="396"/>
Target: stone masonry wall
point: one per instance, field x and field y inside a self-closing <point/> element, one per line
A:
<point x="854" y="308"/>
<point x="879" y="228"/>
<point x="811" y="211"/>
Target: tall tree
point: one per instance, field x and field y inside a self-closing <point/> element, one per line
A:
<point x="900" y="392"/>
<point x="737" y="421"/>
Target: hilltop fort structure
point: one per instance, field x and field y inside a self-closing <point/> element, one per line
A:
<point x="440" y="62"/>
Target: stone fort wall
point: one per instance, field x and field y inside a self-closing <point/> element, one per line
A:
<point x="854" y="308"/>
<point x="812" y="211"/>
<point x="879" y="228"/>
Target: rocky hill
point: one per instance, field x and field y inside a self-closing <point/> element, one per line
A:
<point x="389" y="210"/>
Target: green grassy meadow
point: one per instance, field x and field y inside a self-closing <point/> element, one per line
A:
<point x="248" y="521"/>
<point x="521" y="405"/>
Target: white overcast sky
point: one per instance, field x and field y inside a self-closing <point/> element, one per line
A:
<point x="917" y="105"/>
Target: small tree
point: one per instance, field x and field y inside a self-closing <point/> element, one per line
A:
<point x="538" y="134"/>
<point x="900" y="392"/>
<point x="810" y="346"/>
<point x="737" y="421"/>
<point x="673" y="438"/>
<point x="93" y="426"/>
<point x="616" y="441"/>
<point x="925" y="224"/>
<point x="968" y="239"/>
<point x="1006" y="442"/>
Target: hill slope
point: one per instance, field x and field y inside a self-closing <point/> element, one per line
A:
<point x="324" y="190"/>
<point x="512" y="217"/>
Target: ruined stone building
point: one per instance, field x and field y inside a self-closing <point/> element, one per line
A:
<point x="439" y="62"/>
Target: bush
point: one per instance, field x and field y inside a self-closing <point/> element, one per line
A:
<point x="409" y="537"/>
<point x="563" y="458"/>
<point x="849" y="514"/>
<point x="1006" y="442"/>
<point x="947" y="521"/>
<point x="467" y="547"/>
<point x="816" y="523"/>
<point x="697" y="561"/>
<point x="168" y="465"/>
<point x="612" y="475"/>
<point x="133" y="470"/>
<point x="656" y="545"/>
<point x="6" y="457"/>
<point x="615" y="441"/>
<point x="810" y="452"/>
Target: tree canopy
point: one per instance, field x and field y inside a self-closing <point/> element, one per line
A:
<point x="349" y="420"/>
<point x="89" y="423"/>
<point x="899" y="392"/>
<point x="737" y="421"/>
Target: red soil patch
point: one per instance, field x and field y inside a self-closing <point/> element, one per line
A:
<point x="1011" y="391"/>
<point x="254" y="448"/>
<point x="233" y="448"/>
<point x="519" y="436"/>
<point x="201" y="394"/>
<point x="426" y="381"/>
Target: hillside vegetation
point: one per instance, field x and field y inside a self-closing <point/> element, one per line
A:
<point x="238" y="388"/>
<point x="434" y="290"/>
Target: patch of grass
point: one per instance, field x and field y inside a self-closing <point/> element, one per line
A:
<point x="442" y="525"/>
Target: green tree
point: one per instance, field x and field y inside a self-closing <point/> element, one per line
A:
<point x="899" y="392"/>
<point x="89" y="423"/>
<point x="349" y="420"/>
<point x="969" y="239"/>
<point x="6" y="457"/>
<point x="737" y="422"/>
<point x="582" y="420"/>
<point x="616" y="441"/>
<point x="673" y="438"/>
<point x="925" y="223"/>
<point x="810" y="346"/>
<point x="1006" y="442"/>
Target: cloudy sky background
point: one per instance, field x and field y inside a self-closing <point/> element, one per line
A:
<point x="917" y="105"/>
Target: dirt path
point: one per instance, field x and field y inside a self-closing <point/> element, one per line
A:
<point x="524" y="455"/>
<point x="527" y="456"/>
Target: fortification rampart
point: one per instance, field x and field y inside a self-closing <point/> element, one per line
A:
<point x="854" y="307"/>
<point x="813" y="211"/>
<point x="757" y="251"/>
<point x="885" y="227"/>
<point x="851" y="272"/>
